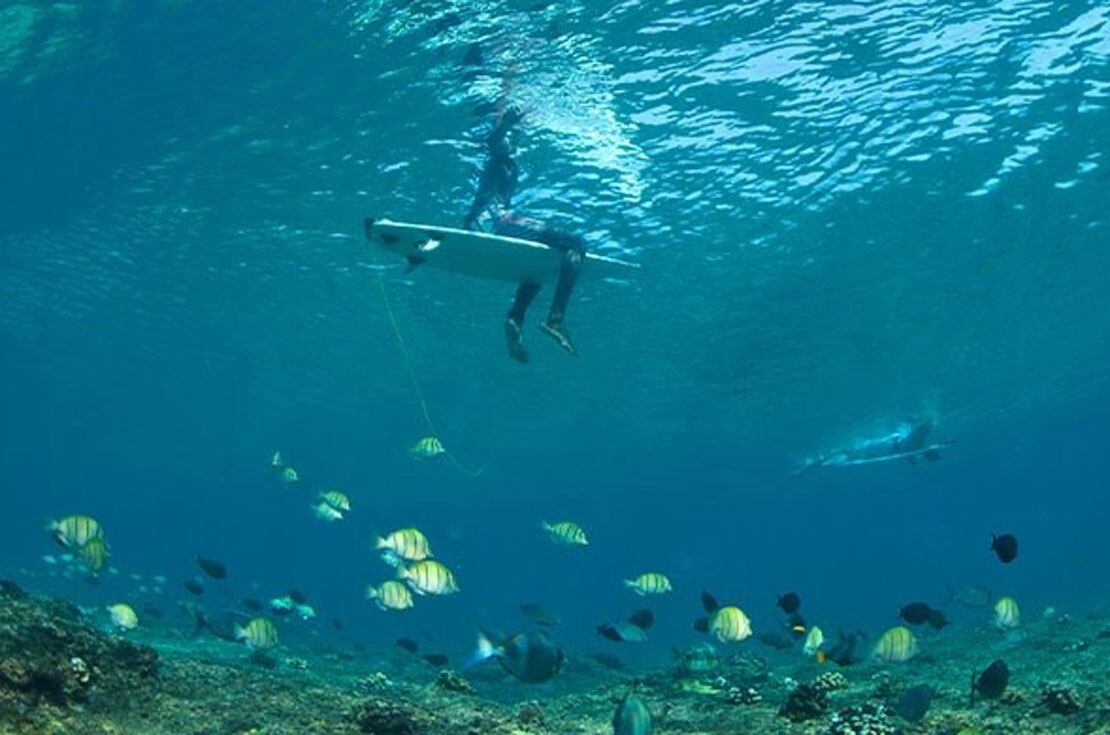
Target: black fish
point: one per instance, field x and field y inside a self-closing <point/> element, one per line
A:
<point x="436" y="659"/>
<point x="773" y="640"/>
<point x="298" y="597"/>
<point x="1005" y="547"/>
<point x="252" y="604"/>
<point x="937" y="619"/>
<point x="642" y="619"/>
<point x="915" y="613"/>
<point x="539" y="615"/>
<point x="212" y="568"/>
<point x="992" y="682"/>
<point x="194" y="586"/>
<point x="531" y="657"/>
<point x="152" y="611"/>
<point x="224" y="626"/>
<point x="914" y="703"/>
<point x="622" y="632"/>
<point x="408" y="644"/>
<point x="710" y="605"/>
<point x="789" y="603"/>
<point x="849" y="649"/>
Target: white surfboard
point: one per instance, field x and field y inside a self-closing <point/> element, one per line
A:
<point x="482" y="255"/>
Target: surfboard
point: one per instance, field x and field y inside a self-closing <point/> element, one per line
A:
<point x="930" y="453"/>
<point x="482" y="255"/>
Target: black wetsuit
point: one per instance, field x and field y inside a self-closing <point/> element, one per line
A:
<point x="490" y="210"/>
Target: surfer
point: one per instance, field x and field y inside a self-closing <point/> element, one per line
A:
<point x="907" y="440"/>
<point x="490" y="212"/>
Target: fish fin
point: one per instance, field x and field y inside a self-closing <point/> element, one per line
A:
<point x="709" y="602"/>
<point x="389" y="556"/>
<point x="371" y="592"/>
<point x="414" y="262"/>
<point x="485" y="650"/>
<point x="701" y="625"/>
<point x="642" y="619"/>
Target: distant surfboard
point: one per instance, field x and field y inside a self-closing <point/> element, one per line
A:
<point x="482" y="255"/>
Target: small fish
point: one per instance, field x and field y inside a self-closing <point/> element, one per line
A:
<point x="289" y="476"/>
<point x="815" y="638"/>
<point x="282" y="605"/>
<point x="259" y="634"/>
<point x="325" y="512"/>
<point x="123" y="617"/>
<point x="992" y="682"/>
<point x="275" y="461"/>
<point x="408" y="644"/>
<point x="566" y="533"/>
<point x="408" y="544"/>
<point x="94" y="555"/>
<point x="539" y="615"/>
<point x="632" y="717"/>
<point x="212" y="568"/>
<point x="914" y="703"/>
<point x="436" y="659"/>
<point x="728" y="624"/>
<point x="194" y="586"/>
<point x="390" y="595"/>
<point x="895" y="645"/>
<point x="919" y="613"/>
<point x="75" y="531"/>
<point x="649" y="583"/>
<point x="427" y="448"/>
<point x="532" y="658"/>
<point x="789" y="603"/>
<point x="306" y="612"/>
<point x="428" y="577"/>
<point x="1006" y="614"/>
<point x="159" y="580"/>
<point x="337" y="500"/>
<point x="251" y="604"/>
<point x="1005" y="547"/>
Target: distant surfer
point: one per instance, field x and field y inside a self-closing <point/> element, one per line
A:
<point x="490" y="212"/>
<point x="908" y="440"/>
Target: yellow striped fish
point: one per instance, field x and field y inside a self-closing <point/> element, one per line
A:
<point x="730" y="625"/>
<point x="428" y="577"/>
<point x="337" y="500"/>
<point x="391" y="595"/>
<point x="649" y="583"/>
<point x="1006" y="614"/>
<point x="75" y="531"/>
<point x="326" y="512"/>
<point x="427" y="448"/>
<point x="94" y="555"/>
<point x="259" y="634"/>
<point x="123" y="617"/>
<point x="409" y="544"/>
<point x="815" y="638"/>
<point x="895" y="645"/>
<point x="567" y="533"/>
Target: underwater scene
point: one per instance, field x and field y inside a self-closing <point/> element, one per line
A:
<point x="547" y="368"/>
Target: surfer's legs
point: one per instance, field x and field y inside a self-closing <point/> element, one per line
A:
<point x="574" y="251"/>
<point x="514" y="321"/>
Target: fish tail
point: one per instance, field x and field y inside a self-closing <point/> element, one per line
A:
<point x="389" y="556"/>
<point x="545" y="526"/>
<point x="484" y="651"/>
<point x="371" y="592"/>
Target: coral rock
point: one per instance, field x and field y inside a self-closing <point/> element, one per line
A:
<point x="806" y="702"/>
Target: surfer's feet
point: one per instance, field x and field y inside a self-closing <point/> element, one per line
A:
<point x="514" y="336"/>
<point x="558" y="332"/>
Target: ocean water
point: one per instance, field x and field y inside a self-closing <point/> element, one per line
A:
<point x="844" y="215"/>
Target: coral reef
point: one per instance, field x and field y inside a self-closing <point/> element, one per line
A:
<point x="1060" y="699"/>
<point x="830" y="681"/>
<point x="805" y="702"/>
<point x="867" y="719"/>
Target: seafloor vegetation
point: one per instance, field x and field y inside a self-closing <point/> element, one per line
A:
<point x="59" y="673"/>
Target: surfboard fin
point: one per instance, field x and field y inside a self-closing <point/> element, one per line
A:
<point x="414" y="261"/>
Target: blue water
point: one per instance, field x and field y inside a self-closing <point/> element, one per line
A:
<point x="844" y="214"/>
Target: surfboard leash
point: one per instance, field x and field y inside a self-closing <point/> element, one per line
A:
<point x="406" y="357"/>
